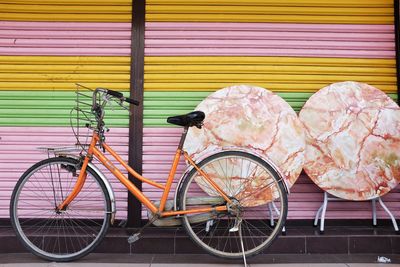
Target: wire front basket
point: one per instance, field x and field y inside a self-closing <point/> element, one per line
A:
<point x="82" y="119"/>
<point x="87" y="116"/>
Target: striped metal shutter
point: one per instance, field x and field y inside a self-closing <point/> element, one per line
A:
<point x="44" y="50"/>
<point x="292" y="47"/>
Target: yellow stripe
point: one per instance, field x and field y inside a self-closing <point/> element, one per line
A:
<point x="64" y="77"/>
<point x="39" y="86"/>
<point x="81" y="9"/>
<point x="269" y="18"/>
<point x="88" y="11"/>
<point x="70" y="2"/>
<point x="293" y="11"/>
<point x="331" y="3"/>
<point x="84" y="69"/>
<point x="275" y="87"/>
<point x="275" y="73"/>
<point x="268" y="10"/>
<point x="301" y="61"/>
<point x="256" y="69"/>
<point x="61" y="73"/>
<point x="66" y="17"/>
<point x="193" y="73"/>
<point x="62" y="86"/>
<point x="186" y="78"/>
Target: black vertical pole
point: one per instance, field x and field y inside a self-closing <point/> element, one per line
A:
<point x="396" y="30"/>
<point x="136" y="119"/>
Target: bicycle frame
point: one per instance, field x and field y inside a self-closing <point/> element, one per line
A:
<point x="93" y="150"/>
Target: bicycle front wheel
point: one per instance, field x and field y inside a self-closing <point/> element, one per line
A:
<point x="256" y="215"/>
<point x="59" y="235"/>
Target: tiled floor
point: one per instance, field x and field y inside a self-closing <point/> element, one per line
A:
<point x="341" y="245"/>
<point x="298" y="240"/>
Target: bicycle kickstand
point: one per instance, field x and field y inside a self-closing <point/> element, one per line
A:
<point x="241" y="244"/>
<point x="136" y="236"/>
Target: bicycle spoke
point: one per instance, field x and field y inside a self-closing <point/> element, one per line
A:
<point x="64" y="234"/>
<point x="235" y="173"/>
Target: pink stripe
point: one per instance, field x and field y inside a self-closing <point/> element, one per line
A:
<point x="31" y="25"/>
<point x="267" y="35"/>
<point x="65" y="51"/>
<point x="55" y="34"/>
<point x="328" y="45"/>
<point x="4" y="212"/>
<point x="59" y="38"/>
<point x="304" y="200"/>
<point x="269" y="39"/>
<point x="12" y="131"/>
<point x="203" y="26"/>
<point x="65" y="43"/>
<point x="18" y="146"/>
<point x="18" y="153"/>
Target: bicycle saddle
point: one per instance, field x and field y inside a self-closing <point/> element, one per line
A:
<point x="194" y="118"/>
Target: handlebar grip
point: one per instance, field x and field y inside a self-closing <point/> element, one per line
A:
<point x="115" y="93"/>
<point x="131" y="101"/>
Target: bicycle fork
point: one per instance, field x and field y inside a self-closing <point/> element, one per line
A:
<point x="77" y="187"/>
<point x="81" y="178"/>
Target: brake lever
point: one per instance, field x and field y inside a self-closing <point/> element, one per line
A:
<point x="127" y="109"/>
<point x="111" y="106"/>
<point x="107" y="99"/>
<point x="119" y="102"/>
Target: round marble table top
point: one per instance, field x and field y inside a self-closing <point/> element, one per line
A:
<point x="252" y="118"/>
<point x="353" y="140"/>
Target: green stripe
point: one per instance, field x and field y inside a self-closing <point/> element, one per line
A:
<point x="47" y="108"/>
<point x="160" y="105"/>
<point x="52" y="108"/>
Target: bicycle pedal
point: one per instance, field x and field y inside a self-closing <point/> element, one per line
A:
<point x="133" y="238"/>
<point x="209" y="224"/>
<point x="235" y="228"/>
<point x="122" y="223"/>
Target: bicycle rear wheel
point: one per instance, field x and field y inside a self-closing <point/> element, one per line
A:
<point x="59" y="235"/>
<point x="259" y="201"/>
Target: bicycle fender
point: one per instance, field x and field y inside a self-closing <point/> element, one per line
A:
<point x="109" y="190"/>
<point x="107" y="184"/>
<point x="179" y="185"/>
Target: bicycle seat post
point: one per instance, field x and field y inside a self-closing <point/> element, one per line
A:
<point x="183" y="137"/>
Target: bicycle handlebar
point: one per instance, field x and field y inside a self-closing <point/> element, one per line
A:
<point x="116" y="94"/>
<point x="121" y="97"/>
<point x="131" y="101"/>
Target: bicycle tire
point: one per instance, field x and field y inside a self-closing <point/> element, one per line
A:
<point x="211" y="231"/>
<point x="59" y="236"/>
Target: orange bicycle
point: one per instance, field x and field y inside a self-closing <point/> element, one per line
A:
<point x="232" y="204"/>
